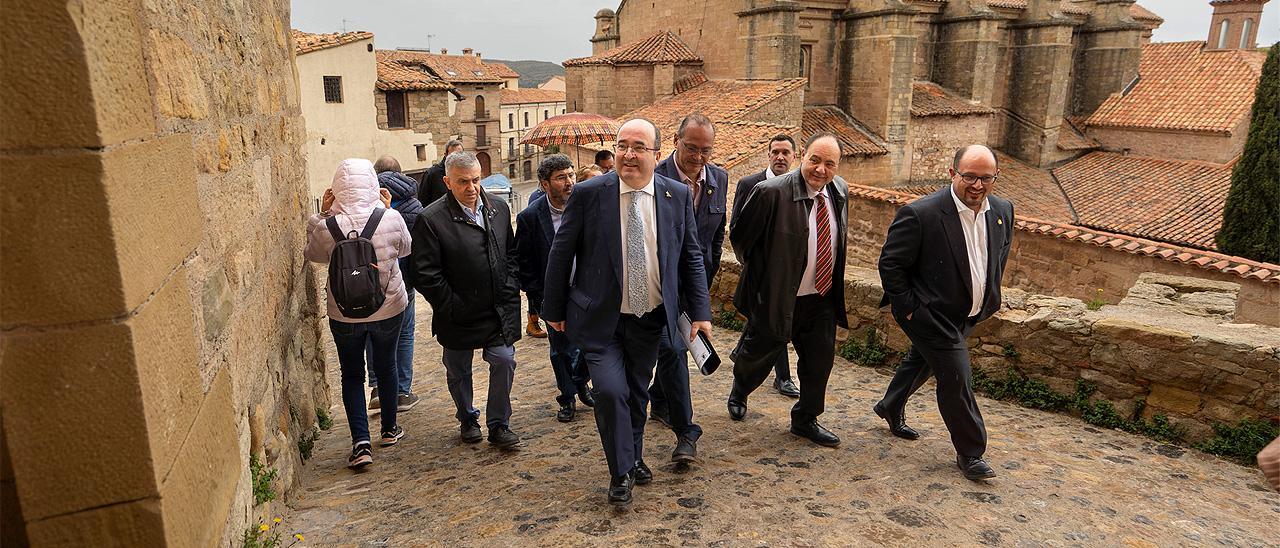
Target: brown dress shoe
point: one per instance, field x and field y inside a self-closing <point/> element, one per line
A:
<point x="534" y="328"/>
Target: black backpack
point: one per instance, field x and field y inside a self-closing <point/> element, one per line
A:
<point x="353" y="276"/>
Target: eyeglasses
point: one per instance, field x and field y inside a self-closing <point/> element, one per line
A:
<point x="690" y="149"/>
<point x="622" y="149"/>
<point x="970" y="178"/>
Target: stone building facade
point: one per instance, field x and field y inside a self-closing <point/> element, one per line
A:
<point x="167" y="327"/>
<point x="522" y="109"/>
<point x="1028" y="61"/>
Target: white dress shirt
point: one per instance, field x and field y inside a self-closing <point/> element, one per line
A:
<point x="975" y="243"/>
<point x="808" y="284"/>
<point x="768" y="173"/>
<point x="649" y="218"/>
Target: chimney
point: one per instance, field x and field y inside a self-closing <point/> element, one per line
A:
<point x="1234" y="24"/>
<point x="477" y="55"/>
<point x="466" y="51"/>
<point x="444" y="51"/>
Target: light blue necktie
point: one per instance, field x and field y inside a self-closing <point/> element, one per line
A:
<point x="637" y="267"/>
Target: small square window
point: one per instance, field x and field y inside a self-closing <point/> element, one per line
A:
<point x="422" y="152"/>
<point x="333" y="89"/>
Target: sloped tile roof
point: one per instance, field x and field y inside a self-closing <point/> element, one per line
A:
<point x="930" y="99"/>
<point x="1208" y="260"/>
<point x="739" y="142"/>
<point x="1160" y="199"/>
<point x="719" y="100"/>
<point x="394" y="76"/>
<point x="455" y="69"/>
<point x="855" y="140"/>
<point x="530" y="95"/>
<point x="1071" y="135"/>
<point x="1183" y="87"/>
<point x="661" y="47"/>
<point x="306" y="42"/>
<point x="1145" y="15"/>
<point x="1032" y="191"/>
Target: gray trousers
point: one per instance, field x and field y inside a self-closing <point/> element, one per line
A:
<point x="502" y="371"/>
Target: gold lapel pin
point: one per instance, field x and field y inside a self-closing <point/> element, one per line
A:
<point x="668" y="193"/>
<point x="999" y="221"/>
<point x="709" y="191"/>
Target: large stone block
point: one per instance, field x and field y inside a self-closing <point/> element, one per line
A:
<point x="75" y="75"/>
<point x="136" y="219"/>
<point x="197" y="494"/>
<point x="94" y="450"/>
<point x="180" y="89"/>
<point x="135" y="523"/>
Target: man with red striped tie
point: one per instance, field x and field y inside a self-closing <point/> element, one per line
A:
<point x="790" y="239"/>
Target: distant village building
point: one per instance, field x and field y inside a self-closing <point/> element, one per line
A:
<point x="479" y="84"/>
<point x="338" y="78"/>
<point x="556" y="83"/>
<point x="521" y="110"/>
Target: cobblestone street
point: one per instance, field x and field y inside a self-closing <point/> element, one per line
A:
<point x="1061" y="482"/>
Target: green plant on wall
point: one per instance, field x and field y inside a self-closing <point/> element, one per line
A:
<point x="870" y="351"/>
<point x="1096" y="302"/>
<point x="262" y="478"/>
<point x="1240" y="442"/>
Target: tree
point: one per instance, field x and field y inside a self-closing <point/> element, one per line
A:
<point x="1251" y="218"/>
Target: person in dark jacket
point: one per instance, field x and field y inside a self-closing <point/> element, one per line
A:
<point x="791" y="242"/>
<point x="433" y="187"/>
<point x="464" y="263"/>
<point x="537" y="226"/>
<point x="404" y="191"/>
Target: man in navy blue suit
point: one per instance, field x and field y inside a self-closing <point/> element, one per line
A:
<point x="626" y="251"/>
<point x="536" y="229"/>
<point x="689" y="163"/>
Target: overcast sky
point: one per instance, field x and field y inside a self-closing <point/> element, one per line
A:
<point x="555" y="30"/>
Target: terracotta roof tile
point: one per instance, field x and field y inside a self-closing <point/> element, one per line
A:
<point x="1183" y="87"/>
<point x="452" y="68"/>
<point x="1071" y="136"/>
<point x="1145" y="15"/>
<point x="1032" y="190"/>
<point x="394" y="76"/>
<point x="530" y="95"/>
<point x="1165" y="200"/>
<point x="930" y="99"/>
<point x="855" y="140"/>
<point x="661" y="47"/>
<point x="306" y="42"/>
<point x="719" y="100"/>
<point x="739" y="142"/>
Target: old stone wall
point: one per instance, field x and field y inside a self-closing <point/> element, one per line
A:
<point x="710" y="29"/>
<point x="1153" y="350"/>
<point x="934" y="140"/>
<point x="173" y="319"/>
<point x="1218" y="148"/>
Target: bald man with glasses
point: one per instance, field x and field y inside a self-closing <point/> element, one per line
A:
<point x="941" y="266"/>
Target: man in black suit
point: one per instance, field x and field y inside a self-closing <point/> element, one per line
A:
<point x="535" y="231"/>
<point x="790" y="239"/>
<point x="708" y="185"/>
<point x="782" y="150"/>
<point x="433" y="187"/>
<point x="625" y="255"/>
<point x="941" y="267"/>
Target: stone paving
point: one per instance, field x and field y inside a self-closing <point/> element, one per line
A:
<point x="1061" y="482"/>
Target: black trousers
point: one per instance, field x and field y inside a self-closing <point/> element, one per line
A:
<point x="949" y="364"/>
<point x="620" y="375"/>
<point x="670" y="389"/>
<point x="813" y="334"/>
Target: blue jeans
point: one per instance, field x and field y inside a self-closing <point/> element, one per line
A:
<point x="350" y="339"/>
<point x="404" y="354"/>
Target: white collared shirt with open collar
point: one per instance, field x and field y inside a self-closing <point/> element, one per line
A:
<point x="808" y="283"/>
<point x="974" y="226"/>
<point x="648" y="216"/>
<point x="695" y="187"/>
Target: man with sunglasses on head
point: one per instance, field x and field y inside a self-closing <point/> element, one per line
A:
<point x="941" y="266"/>
<point x="690" y="163"/>
<point x="622" y="265"/>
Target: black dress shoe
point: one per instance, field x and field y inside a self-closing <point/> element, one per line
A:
<point x="737" y="409"/>
<point x="686" y="450"/>
<point x="786" y="387"/>
<point x="584" y="395"/>
<point x="642" y="473"/>
<point x="815" y="433"/>
<point x="620" y="489"/>
<point x="659" y="414"/>
<point x="566" y="412"/>
<point x="471" y="431"/>
<point x="502" y="437"/>
<point x="974" y="468"/>
<point x="897" y="424"/>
